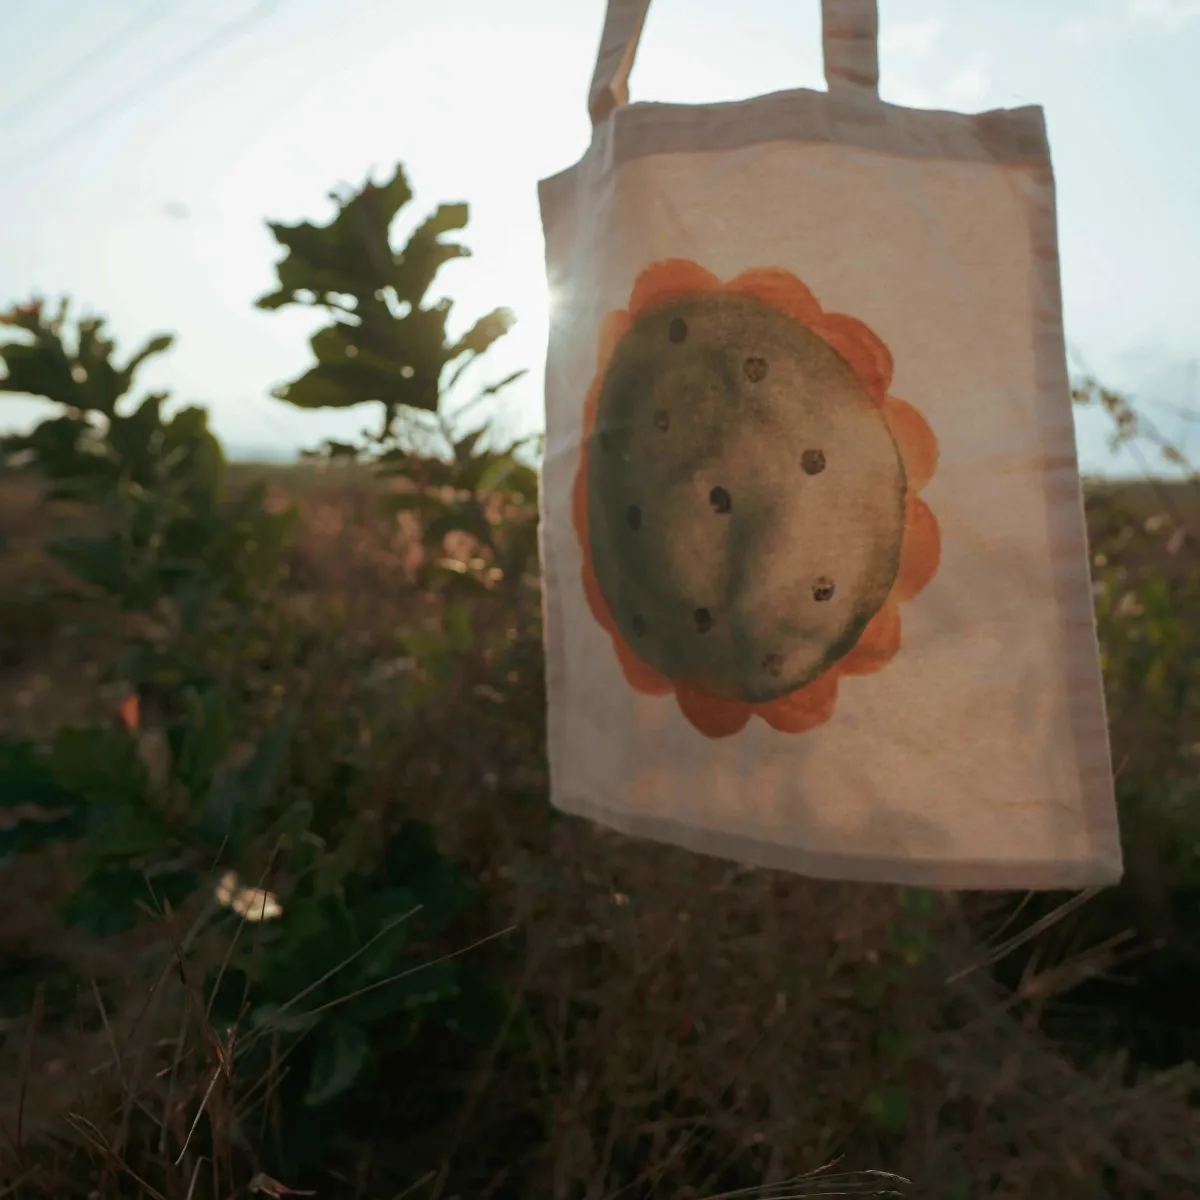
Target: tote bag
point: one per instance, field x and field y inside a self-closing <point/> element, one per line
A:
<point x="816" y="586"/>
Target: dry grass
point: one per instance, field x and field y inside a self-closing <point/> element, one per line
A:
<point x="681" y="1027"/>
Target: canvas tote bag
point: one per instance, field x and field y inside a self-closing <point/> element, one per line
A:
<point x="815" y="561"/>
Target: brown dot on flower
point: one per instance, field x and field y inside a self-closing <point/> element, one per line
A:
<point x="773" y="665"/>
<point x="677" y="330"/>
<point x="704" y="620"/>
<point x="605" y="440"/>
<point x="634" y="517"/>
<point x="639" y="624"/>
<point x="823" y="588"/>
<point x="721" y="500"/>
<point x="813" y="461"/>
<point x="756" y="369"/>
<point x="662" y="420"/>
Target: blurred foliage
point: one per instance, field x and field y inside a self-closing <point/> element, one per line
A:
<point x="184" y="808"/>
<point x="1147" y="594"/>
<point x="232" y="781"/>
<point x="387" y="344"/>
<point x="164" y="539"/>
<point x="1146" y="589"/>
<point x="1146" y="584"/>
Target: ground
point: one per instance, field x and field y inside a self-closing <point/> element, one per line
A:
<point x="678" y="1026"/>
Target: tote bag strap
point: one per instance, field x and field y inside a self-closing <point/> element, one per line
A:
<point x="849" y="41"/>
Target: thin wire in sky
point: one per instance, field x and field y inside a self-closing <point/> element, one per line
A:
<point x="127" y="30"/>
<point x="141" y="91"/>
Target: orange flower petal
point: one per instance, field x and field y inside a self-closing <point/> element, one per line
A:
<point x="612" y="329"/>
<point x="780" y="289"/>
<point x="922" y="550"/>
<point x="129" y="713"/>
<point x="639" y="676"/>
<point x="579" y="512"/>
<point x="914" y="439"/>
<point x="591" y="404"/>
<point x="712" y="717"/>
<point x="803" y="709"/>
<point x="868" y="357"/>
<point x="668" y="280"/>
<point x="594" y="596"/>
<point x="877" y="646"/>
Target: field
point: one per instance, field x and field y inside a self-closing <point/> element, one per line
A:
<point x="655" y="1023"/>
<point x="286" y="908"/>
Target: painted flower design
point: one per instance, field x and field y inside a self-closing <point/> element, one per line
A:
<point x="748" y="497"/>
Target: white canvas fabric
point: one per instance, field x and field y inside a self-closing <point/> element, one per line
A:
<point x="815" y="561"/>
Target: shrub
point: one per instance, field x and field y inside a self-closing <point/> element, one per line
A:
<point x="201" y="804"/>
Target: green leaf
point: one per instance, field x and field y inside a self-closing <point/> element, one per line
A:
<point x="458" y="580"/>
<point x="467" y="516"/>
<point x="200" y="742"/>
<point x="477" y="1008"/>
<point x="474" y="469"/>
<point x="350" y="256"/>
<point x="107" y="902"/>
<point x="229" y="810"/>
<point x="344" y="385"/>
<point x="93" y="371"/>
<point x="97" y="561"/>
<point x="101" y="765"/>
<point x="911" y="944"/>
<point x="500" y="385"/>
<point x="274" y="1016"/>
<point x="62" y="449"/>
<point x="504" y="471"/>
<point x="416" y="990"/>
<point x="523" y="484"/>
<point x="29" y="835"/>
<point x="895" y="1045"/>
<point x="156" y="345"/>
<point x="83" y="377"/>
<point x="121" y="832"/>
<point x="191" y="458"/>
<point x="412" y="851"/>
<point x="282" y="297"/>
<point x="917" y="900"/>
<point x="389" y="344"/>
<point x="135" y="440"/>
<point x="54" y="814"/>
<point x="870" y="988"/>
<point x="412" y="860"/>
<point x="168" y="883"/>
<point x="385" y="914"/>
<point x="459" y="631"/>
<point x="313" y="937"/>
<point x="341" y="1055"/>
<point x="494" y="475"/>
<point x="888" y="1108"/>
<point x="425" y="253"/>
<point x="465" y="447"/>
<point x="483" y="334"/>
<point x="41" y="367"/>
<point x="27" y="777"/>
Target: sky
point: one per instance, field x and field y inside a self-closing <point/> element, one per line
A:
<point x="144" y="143"/>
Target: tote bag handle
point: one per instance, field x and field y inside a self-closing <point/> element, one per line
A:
<point x="849" y="41"/>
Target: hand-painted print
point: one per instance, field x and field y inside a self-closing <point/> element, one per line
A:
<point x="747" y="498"/>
